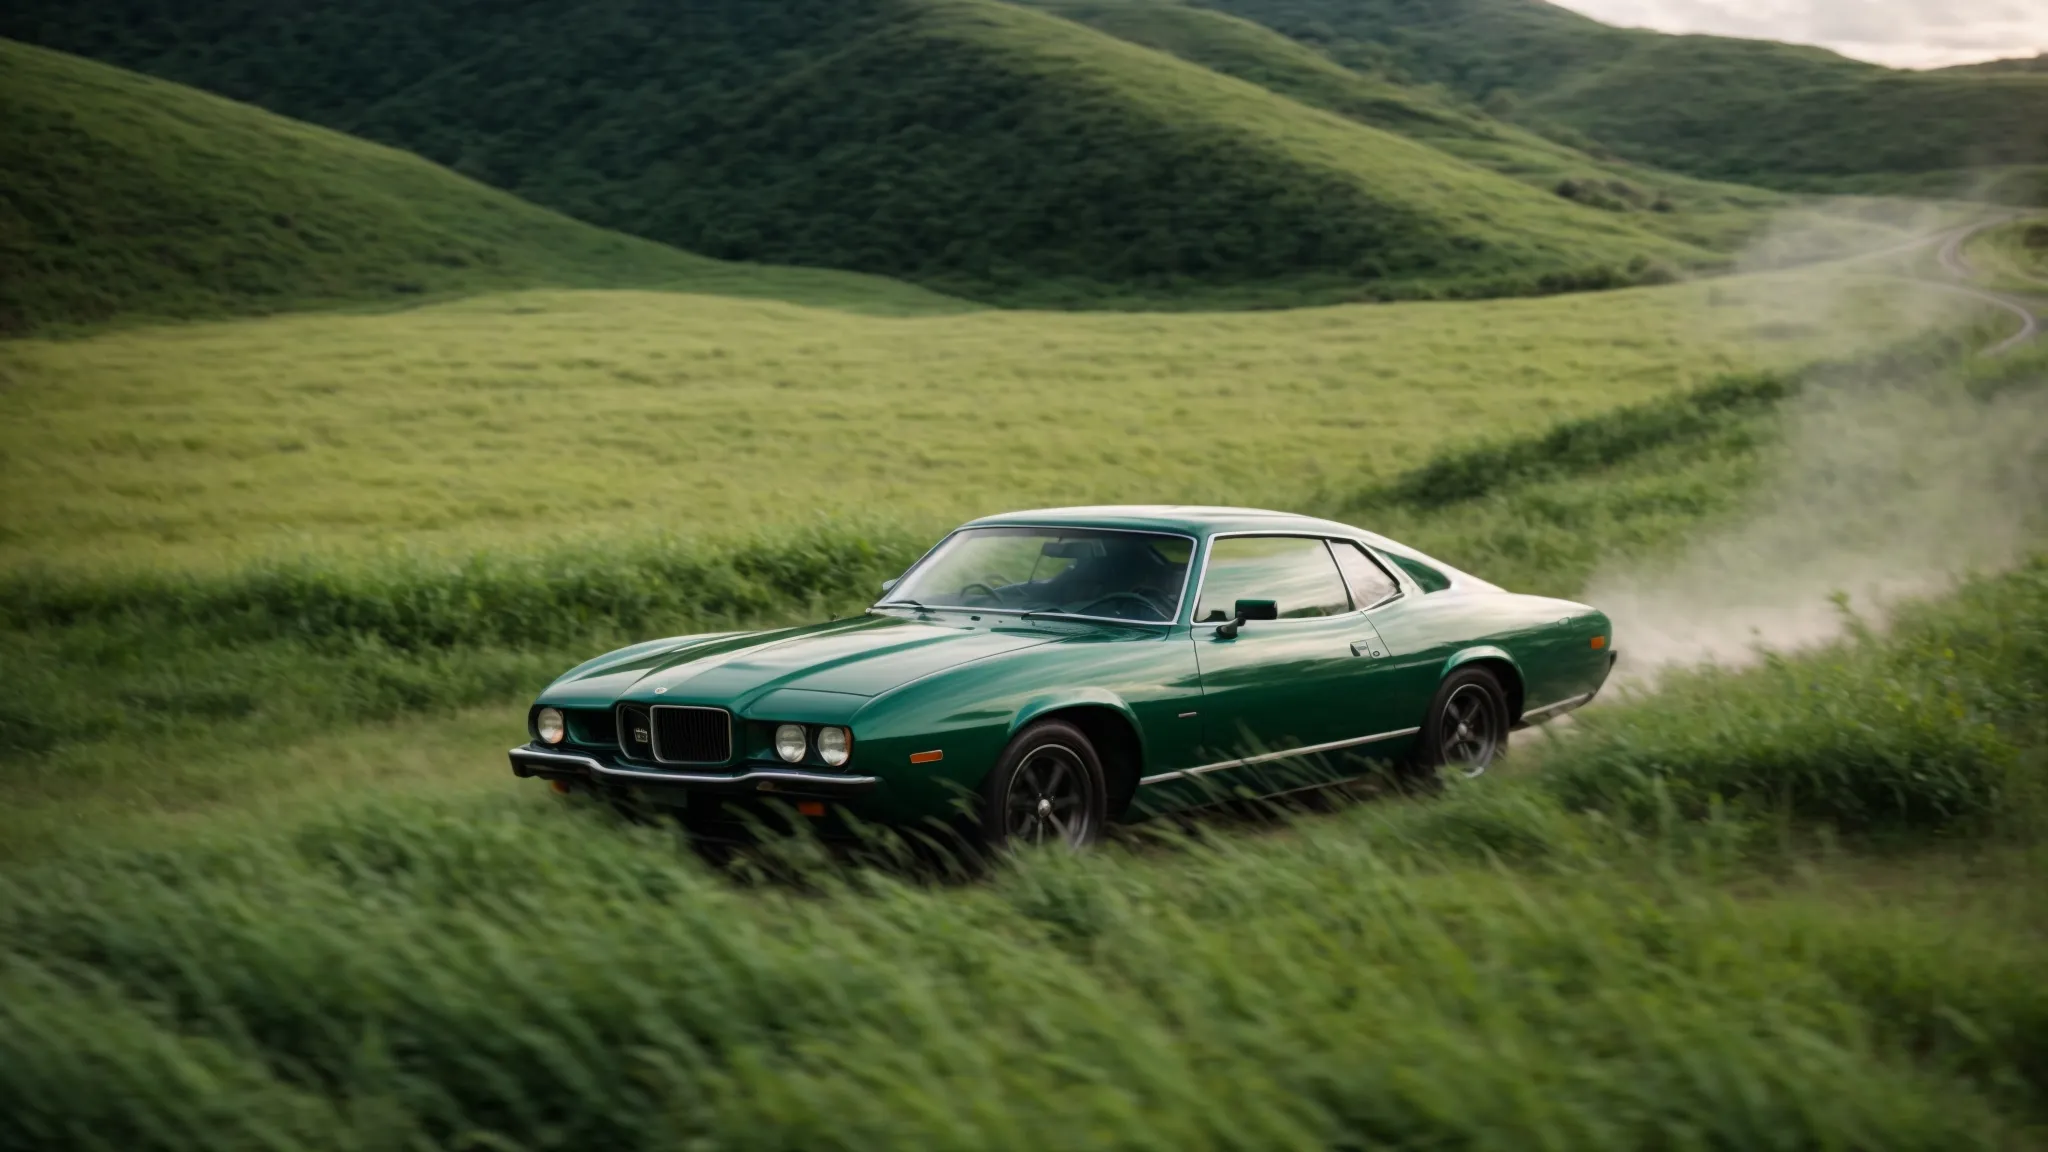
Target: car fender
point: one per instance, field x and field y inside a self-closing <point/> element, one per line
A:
<point x="1477" y="652"/>
<point x="1051" y="702"/>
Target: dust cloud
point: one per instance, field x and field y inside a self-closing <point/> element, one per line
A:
<point x="1887" y="486"/>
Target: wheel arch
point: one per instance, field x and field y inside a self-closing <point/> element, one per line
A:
<point x="1498" y="661"/>
<point x="1110" y="726"/>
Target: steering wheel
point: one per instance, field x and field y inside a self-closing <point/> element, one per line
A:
<point x="1156" y="608"/>
<point x="988" y="589"/>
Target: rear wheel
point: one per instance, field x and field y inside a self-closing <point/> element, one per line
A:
<point x="1046" y="789"/>
<point x="1467" y="726"/>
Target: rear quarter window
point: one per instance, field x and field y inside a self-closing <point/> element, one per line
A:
<point x="1427" y="577"/>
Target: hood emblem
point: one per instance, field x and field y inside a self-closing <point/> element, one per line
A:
<point x="661" y="691"/>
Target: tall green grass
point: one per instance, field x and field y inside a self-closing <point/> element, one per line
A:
<point x="1924" y="727"/>
<point x="1487" y="970"/>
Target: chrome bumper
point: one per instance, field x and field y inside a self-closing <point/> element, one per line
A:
<point x="528" y="761"/>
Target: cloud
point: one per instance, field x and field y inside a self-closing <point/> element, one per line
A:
<point x="1901" y="33"/>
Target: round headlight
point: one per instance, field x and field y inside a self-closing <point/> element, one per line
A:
<point x="789" y="742"/>
<point x="834" y="745"/>
<point x="549" y="725"/>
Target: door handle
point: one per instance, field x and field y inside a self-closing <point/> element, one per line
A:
<point x="1366" y="648"/>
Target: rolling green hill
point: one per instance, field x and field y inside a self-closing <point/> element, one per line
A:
<point x="1745" y="110"/>
<point x="127" y="197"/>
<point x="968" y="145"/>
<point x="1697" y="211"/>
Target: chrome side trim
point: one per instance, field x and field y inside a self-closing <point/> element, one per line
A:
<point x="1531" y="715"/>
<point x="521" y="756"/>
<point x="1310" y="750"/>
<point x="654" y="732"/>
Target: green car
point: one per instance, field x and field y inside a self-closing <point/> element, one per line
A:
<point x="1040" y="674"/>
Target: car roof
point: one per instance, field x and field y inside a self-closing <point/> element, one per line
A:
<point x="1186" y="519"/>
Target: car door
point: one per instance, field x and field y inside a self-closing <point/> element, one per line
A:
<point x="1421" y="627"/>
<point x="1287" y="689"/>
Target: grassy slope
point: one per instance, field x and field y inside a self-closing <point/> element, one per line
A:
<point x="508" y="420"/>
<point x="123" y="196"/>
<point x="1711" y="106"/>
<point x="1697" y="211"/>
<point x="965" y="144"/>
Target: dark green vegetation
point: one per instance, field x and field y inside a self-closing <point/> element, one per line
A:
<point x="1697" y="211"/>
<point x="126" y="197"/>
<point x="969" y="145"/>
<point x="1744" y="110"/>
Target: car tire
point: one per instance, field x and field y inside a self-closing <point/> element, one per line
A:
<point x="1046" y="788"/>
<point x="1466" y="729"/>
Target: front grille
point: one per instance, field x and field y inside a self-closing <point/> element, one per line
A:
<point x="692" y="735"/>
<point x="636" y="732"/>
<point x="592" y="727"/>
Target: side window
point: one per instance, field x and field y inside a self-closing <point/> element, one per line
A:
<point x="1370" y="583"/>
<point x="1294" y="572"/>
<point x="1430" y="579"/>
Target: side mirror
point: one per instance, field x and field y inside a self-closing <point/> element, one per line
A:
<point x="1249" y="610"/>
<point x="890" y="583"/>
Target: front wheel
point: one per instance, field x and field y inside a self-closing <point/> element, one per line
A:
<point x="1046" y="789"/>
<point x="1467" y="726"/>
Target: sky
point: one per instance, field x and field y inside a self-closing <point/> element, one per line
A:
<point x="1901" y="33"/>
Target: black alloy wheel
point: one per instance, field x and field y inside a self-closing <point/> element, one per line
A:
<point x="1467" y="729"/>
<point x="1046" y="789"/>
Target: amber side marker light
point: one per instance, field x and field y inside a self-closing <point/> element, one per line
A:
<point x="810" y="808"/>
<point x="561" y="786"/>
<point x="926" y="757"/>
<point x="1599" y="641"/>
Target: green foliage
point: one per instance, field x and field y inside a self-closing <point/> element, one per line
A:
<point x="1008" y="155"/>
<point x="128" y="198"/>
<point x="1912" y="730"/>
<point x="1746" y="110"/>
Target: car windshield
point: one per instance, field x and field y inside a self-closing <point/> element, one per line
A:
<point x="1071" y="571"/>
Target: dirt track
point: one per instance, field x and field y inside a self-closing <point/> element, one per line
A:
<point x="1957" y="266"/>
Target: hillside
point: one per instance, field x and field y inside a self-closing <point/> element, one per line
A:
<point x="2038" y="63"/>
<point x="127" y="197"/>
<point x="967" y="145"/>
<point x="1744" y="110"/>
<point x="1697" y="211"/>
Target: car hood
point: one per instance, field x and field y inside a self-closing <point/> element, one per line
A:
<point x="861" y="657"/>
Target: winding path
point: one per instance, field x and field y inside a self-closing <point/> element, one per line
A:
<point x="1957" y="266"/>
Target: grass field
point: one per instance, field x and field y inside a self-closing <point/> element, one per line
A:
<point x="265" y="882"/>
<point x="508" y="421"/>
<point x="124" y="198"/>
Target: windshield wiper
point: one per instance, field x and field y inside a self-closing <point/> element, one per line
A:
<point x="907" y="603"/>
